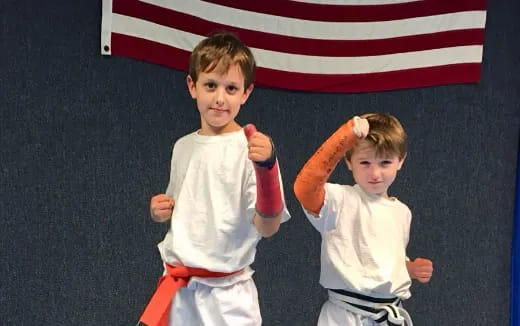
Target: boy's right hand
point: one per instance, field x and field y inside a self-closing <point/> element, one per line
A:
<point x="161" y="207"/>
<point x="361" y="127"/>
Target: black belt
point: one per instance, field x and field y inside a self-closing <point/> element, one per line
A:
<point x="385" y="311"/>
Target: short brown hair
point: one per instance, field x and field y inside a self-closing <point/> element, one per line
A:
<point x="222" y="50"/>
<point x="386" y="135"/>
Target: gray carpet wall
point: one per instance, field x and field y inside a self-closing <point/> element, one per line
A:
<point x="86" y="141"/>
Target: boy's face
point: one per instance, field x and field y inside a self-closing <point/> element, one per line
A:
<point x="219" y="97"/>
<point x="372" y="173"/>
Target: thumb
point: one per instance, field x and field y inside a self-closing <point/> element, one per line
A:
<point x="249" y="130"/>
<point x="423" y="261"/>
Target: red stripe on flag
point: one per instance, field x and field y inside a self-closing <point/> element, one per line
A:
<point x="145" y="50"/>
<point x="353" y="13"/>
<point x="296" y="45"/>
<point x="409" y="78"/>
<point x="401" y="79"/>
<point x="344" y="48"/>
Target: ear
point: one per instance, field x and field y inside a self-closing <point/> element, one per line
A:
<point x="191" y="87"/>
<point x="349" y="164"/>
<point x="246" y="94"/>
<point x="401" y="161"/>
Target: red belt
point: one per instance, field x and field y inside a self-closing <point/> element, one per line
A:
<point x="157" y="312"/>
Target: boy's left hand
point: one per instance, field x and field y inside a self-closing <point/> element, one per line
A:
<point x="259" y="145"/>
<point x="420" y="269"/>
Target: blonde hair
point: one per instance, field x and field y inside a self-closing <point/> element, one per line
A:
<point x="386" y="135"/>
<point x="222" y="50"/>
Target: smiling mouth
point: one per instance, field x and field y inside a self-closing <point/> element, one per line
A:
<point x="218" y="110"/>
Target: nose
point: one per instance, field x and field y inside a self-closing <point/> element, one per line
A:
<point x="219" y="97"/>
<point x="374" y="171"/>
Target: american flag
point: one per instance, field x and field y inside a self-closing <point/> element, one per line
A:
<point x="312" y="45"/>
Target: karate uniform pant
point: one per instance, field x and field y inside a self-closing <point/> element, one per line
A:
<point x="333" y="315"/>
<point x="202" y="305"/>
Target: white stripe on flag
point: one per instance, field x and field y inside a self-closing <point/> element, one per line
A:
<point x="325" y="30"/>
<point x="302" y="63"/>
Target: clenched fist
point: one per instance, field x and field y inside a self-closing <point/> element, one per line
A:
<point x="420" y="269"/>
<point x="258" y="144"/>
<point x="361" y="127"/>
<point x="161" y="207"/>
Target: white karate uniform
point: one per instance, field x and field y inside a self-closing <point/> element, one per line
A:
<point x="214" y="186"/>
<point x="363" y="250"/>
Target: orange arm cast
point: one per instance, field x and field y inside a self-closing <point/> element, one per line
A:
<point x="309" y="185"/>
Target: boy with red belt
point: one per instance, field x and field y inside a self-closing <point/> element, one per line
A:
<point x="223" y="196"/>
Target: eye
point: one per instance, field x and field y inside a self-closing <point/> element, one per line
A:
<point x="232" y="89"/>
<point x="210" y="85"/>
<point x="366" y="163"/>
<point x="386" y="162"/>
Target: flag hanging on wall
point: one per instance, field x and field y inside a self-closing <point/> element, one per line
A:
<point x="312" y="45"/>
